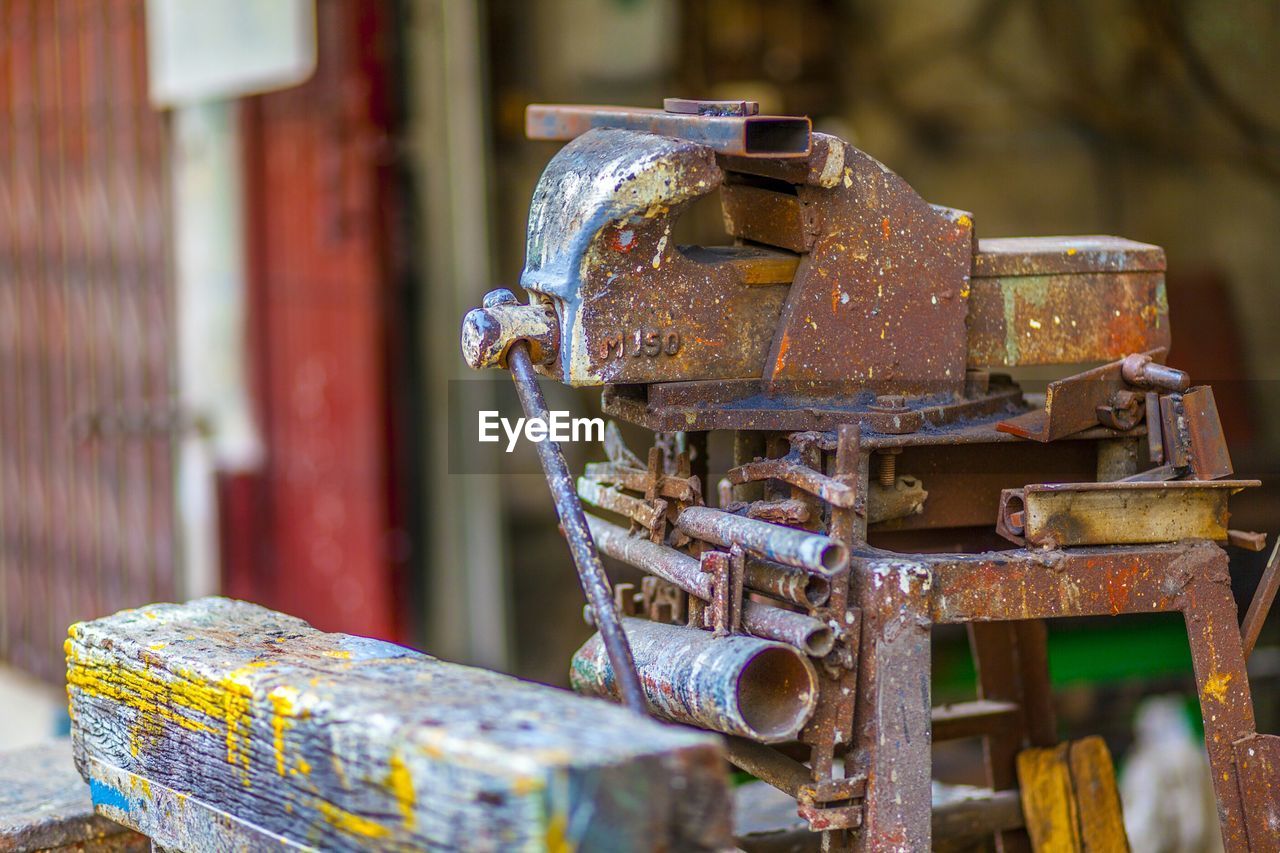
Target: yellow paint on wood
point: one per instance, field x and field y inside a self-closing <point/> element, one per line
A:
<point x="1048" y="802"/>
<point x="400" y="783"/>
<point x="1093" y="778"/>
<point x="557" y="834"/>
<point x="144" y="691"/>
<point x="525" y="785"/>
<point x="284" y="706"/>
<point x="350" y="823"/>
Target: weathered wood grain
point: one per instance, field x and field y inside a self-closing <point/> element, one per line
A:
<point x="45" y="805"/>
<point x="1048" y="800"/>
<point x="1093" y="777"/>
<point x="183" y="712"/>
<point x="1069" y="798"/>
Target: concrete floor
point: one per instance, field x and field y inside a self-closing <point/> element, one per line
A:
<point x="31" y="711"/>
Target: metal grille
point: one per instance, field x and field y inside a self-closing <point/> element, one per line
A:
<point x="86" y="326"/>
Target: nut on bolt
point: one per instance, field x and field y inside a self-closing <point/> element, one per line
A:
<point x="1123" y="411"/>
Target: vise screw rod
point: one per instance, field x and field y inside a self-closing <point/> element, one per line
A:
<point x="574" y="521"/>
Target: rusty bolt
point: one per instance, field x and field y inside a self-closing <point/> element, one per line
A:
<point x="1138" y="369"/>
<point x="501" y="296"/>
<point x="889" y="466"/>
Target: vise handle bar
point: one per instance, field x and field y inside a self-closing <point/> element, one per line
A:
<point x="574" y="522"/>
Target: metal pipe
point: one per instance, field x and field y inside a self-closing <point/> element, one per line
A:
<point x="667" y="563"/>
<point x="573" y="520"/>
<point x="785" y="582"/>
<point x="737" y="685"/>
<point x="812" y="636"/>
<point x="788" y="583"/>
<point x="812" y="552"/>
<point x="766" y="763"/>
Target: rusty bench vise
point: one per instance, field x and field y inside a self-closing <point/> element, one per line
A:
<point x="851" y="336"/>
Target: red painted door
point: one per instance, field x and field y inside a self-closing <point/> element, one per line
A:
<point x="316" y="534"/>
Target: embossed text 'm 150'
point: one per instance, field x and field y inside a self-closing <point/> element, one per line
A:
<point x="642" y="342"/>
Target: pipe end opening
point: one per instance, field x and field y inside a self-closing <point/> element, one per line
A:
<point x="835" y="556"/>
<point x="777" y="691"/>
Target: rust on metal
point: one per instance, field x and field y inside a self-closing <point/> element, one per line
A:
<point x="1121" y="513"/>
<point x="747" y="134"/>
<point x="1072" y="404"/>
<point x="852" y="338"/>
<point x="754" y="688"/>
<point x="803" y="550"/>
<point x="1263" y="597"/>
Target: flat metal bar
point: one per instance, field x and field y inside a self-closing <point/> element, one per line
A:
<point x="744" y="136"/>
<point x="1028" y="584"/>
<point x="1260" y="606"/>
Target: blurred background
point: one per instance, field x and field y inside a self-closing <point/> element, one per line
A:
<point x="237" y="240"/>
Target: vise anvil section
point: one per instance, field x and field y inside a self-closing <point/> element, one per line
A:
<point x="219" y="718"/>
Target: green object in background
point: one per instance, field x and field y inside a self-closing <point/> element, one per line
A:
<point x="1120" y="650"/>
<point x="1084" y="651"/>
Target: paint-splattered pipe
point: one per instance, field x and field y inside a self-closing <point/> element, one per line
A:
<point x="811" y="552"/>
<point x="759" y="689"/>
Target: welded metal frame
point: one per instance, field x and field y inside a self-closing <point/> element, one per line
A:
<point x="902" y="597"/>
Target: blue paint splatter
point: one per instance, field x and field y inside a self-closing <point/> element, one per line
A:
<point x="108" y="795"/>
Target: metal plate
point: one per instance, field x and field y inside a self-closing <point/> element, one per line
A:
<point x="1070" y="514"/>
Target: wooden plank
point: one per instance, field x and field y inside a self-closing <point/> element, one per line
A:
<point x="220" y="709"/>
<point x="1097" y="799"/>
<point x="995" y="654"/>
<point x="45" y="805"/>
<point x="1048" y="800"/>
<point x="962" y="815"/>
<point x="765" y="818"/>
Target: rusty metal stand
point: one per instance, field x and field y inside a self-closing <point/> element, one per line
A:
<point x="997" y="593"/>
